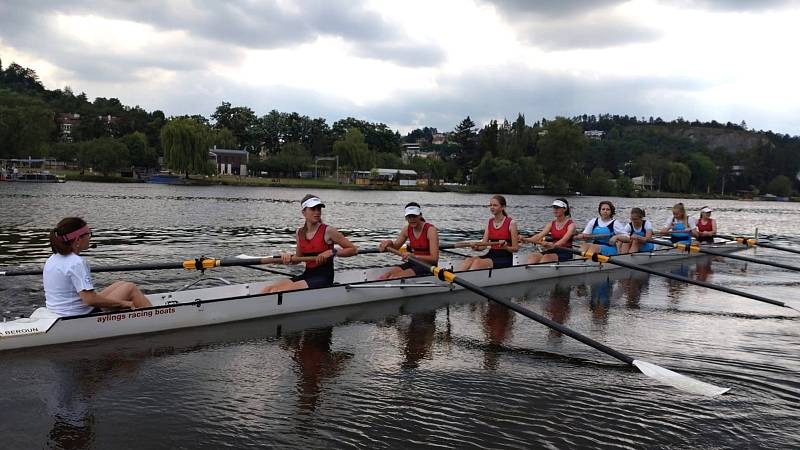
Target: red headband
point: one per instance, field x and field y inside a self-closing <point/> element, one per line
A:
<point x="76" y="234"/>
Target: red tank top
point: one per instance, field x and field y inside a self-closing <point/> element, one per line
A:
<point x="313" y="246"/>
<point x="557" y="234"/>
<point x="500" y="234"/>
<point x="704" y="226"/>
<point x="420" y="244"/>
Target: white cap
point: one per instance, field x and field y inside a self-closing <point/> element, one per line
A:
<point x="413" y="211"/>
<point x="312" y="202"/>
<point x="559" y="204"/>
<point x="706" y="209"/>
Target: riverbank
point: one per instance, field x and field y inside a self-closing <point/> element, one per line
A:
<point x="311" y="183"/>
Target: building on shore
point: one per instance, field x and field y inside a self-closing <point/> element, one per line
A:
<point x="229" y="161"/>
<point x="384" y="177"/>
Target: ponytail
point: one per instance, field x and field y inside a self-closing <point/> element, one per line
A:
<point x="65" y="227"/>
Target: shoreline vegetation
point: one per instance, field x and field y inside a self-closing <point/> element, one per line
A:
<point x="332" y="184"/>
<point x="599" y="155"/>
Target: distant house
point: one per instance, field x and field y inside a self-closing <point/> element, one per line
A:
<point x="413" y="151"/>
<point x="438" y="139"/>
<point x="643" y="183"/>
<point x="594" y="134"/>
<point x="66" y="123"/>
<point x="229" y="161"/>
<point x="385" y="177"/>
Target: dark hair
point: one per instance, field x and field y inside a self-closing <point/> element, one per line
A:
<point x="566" y="211"/>
<point x="417" y="205"/>
<point x="638" y="211"/>
<point x="502" y="200"/>
<point x="302" y="231"/>
<point x="610" y="205"/>
<point x="65" y="227"/>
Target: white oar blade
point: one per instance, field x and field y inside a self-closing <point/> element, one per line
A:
<point x="678" y="381"/>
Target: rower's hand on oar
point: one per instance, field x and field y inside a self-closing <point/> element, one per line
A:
<point x="286" y="258"/>
<point x="322" y="257"/>
<point x="580" y="237"/>
<point x="384" y="244"/>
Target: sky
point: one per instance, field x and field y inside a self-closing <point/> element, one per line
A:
<point x="415" y="63"/>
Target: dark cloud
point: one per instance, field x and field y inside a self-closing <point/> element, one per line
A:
<point x="516" y="9"/>
<point x="572" y="24"/>
<point x="240" y="23"/>
<point x="736" y="5"/>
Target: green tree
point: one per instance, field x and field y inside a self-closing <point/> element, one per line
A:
<point x="139" y="153"/>
<point x="678" y="177"/>
<point x="561" y="148"/>
<point x="780" y="186"/>
<point x="704" y="171"/>
<point x="106" y="155"/>
<point x="625" y="187"/>
<point x="185" y="144"/>
<point x="353" y="151"/>
<point x="599" y="182"/>
<point x="241" y="120"/>
<point x="26" y="125"/>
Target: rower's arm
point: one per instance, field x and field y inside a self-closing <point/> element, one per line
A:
<point x="514" y="244"/>
<point x="348" y="248"/>
<point x="540" y="235"/>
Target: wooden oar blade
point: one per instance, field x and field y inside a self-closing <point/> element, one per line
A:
<point x="679" y="381"/>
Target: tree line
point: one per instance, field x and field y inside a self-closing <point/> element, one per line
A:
<point x="509" y="156"/>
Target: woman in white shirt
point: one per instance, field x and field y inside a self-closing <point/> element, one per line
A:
<point x="637" y="232"/>
<point x="603" y="231"/>
<point x="679" y="226"/>
<point x="68" y="287"/>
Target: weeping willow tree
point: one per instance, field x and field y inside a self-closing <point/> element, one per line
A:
<point x="185" y="143"/>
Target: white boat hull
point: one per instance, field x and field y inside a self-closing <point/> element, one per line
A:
<point x="215" y="305"/>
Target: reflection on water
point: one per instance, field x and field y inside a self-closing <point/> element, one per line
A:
<point x="450" y="370"/>
<point x="314" y="363"/>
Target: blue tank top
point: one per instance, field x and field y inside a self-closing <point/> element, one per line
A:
<point x="608" y="229"/>
<point x="640" y="232"/>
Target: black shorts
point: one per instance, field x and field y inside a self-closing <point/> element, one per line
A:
<point x="706" y="239"/>
<point x="500" y="258"/>
<point x="563" y="254"/>
<point x="418" y="270"/>
<point x="320" y="276"/>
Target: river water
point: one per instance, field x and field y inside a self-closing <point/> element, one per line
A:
<point x="449" y="371"/>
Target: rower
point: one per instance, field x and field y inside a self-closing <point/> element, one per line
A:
<point x="638" y="231"/>
<point x="68" y="287"/>
<point x="423" y="239"/>
<point x="604" y="230"/>
<point x="560" y="229"/>
<point x="679" y="226"/>
<point x="706" y="228"/>
<point x="314" y="238"/>
<point x="500" y="228"/>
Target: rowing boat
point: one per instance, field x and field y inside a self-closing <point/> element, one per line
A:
<point x="230" y="303"/>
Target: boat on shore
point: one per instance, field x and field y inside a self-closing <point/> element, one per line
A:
<point x="37" y="177"/>
<point x="166" y="178"/>
<point x="231" y="303"/>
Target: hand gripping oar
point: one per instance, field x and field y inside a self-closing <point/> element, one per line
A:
<point x="611" y="260"/>
<point x="700" y="249"/>
<point x="750" y="242"/>
<point x="666" y="376"/>
<point x="202" y="263"/>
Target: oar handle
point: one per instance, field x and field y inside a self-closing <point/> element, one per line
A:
<point x="475" y="244"/>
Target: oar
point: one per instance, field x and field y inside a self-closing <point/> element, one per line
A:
<point x="469" y="244"/>
<point x="700" y="249"/>
<point x="750" y="242"/>
<point x="656" y="372"/>
<point x="188" y="264"/>
<point x="612" y="260"/>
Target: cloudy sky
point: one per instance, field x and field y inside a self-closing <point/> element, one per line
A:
<point x="412" y="63"/>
